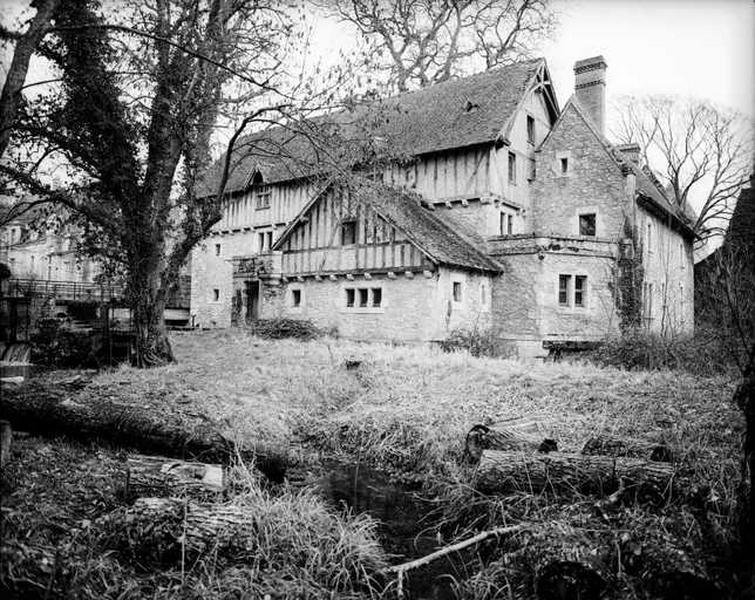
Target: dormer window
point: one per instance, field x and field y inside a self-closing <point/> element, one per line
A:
<point x="262" y="197"/>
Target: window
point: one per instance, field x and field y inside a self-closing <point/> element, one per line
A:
<point x="457" y="291"/>
<point x="217" y="249"/>
<point x="533" y="170"/>
<point x="348" y="233"/>
<point x="564" y="166"/>
<point x="262" y="197"/>
<point x="483" y="294"/>
<point x="364" y="298"/>
<point x="506" y="225"/>
<point x="564" y="282"/>
<point x="364" y="295"/>
<point x="587" y="224"/>
<point x="269" y="240"/>
<point x="580" y="290"/>
<point x="682" y="256"/>
<point x="216" y="295"/>
<point x="295" y="298"/>
<point x="261" y="242"/>
<point x="649" y="238"/>
<point x="530" y="129"/>
<point x="512" y="168"/>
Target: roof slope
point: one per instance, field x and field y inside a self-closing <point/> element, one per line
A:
<point x="405" y="211"/>
<point x="453" y="114"/>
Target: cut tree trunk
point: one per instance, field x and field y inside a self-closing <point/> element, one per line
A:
<point x="153" y="347"/>
<point x="567" y="475"/>
<point x="40" y="410"/>
<point x="160" y="476"/>
<point x="6" y="436"/>
<point x="482" y="437"/>
<point x="628" y="447"/>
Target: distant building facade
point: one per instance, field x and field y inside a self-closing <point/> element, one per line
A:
<point x="504" y="212"/>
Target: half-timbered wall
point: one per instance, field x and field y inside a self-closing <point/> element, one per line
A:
<point x="317" y="245"/>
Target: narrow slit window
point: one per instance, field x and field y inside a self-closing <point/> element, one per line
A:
<point x="564" y="166"/>
<point x="350" y="294"/>
<point x="563" y="289"/>
<point x="580" y="290"/>
<point x="296" y="298"/>
<point x="457" y="291"/>
<point x="530" y="129"/>
<point x="217" y="249"/>
<point x="533" y="169"/>
<point x="363" y="297"/>
<point x="377" y="297"/>
<point x="512" y="167"/>
<point x="215" y="295"/>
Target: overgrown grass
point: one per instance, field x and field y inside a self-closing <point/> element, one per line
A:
<point x="408" y="409"/>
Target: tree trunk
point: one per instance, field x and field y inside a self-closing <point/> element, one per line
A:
<point x="627" y="447"/>
<point x="153" y="347"/>
<point x="6" y="438"/>
<point x="40" y="410"/>
<point x="745" y="399"/>
<point x="16" y="75"/>
<point x="567" y="475"/>
<point x="482" y="437"/>
<point x="160" y="476"/>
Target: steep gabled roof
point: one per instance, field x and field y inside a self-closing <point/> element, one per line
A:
<point x="647" y="186"/>
<point x="405" y="211"/>
<point x="453" y="114"/>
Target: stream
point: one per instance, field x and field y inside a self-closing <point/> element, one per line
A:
<point x="406" y="528"/>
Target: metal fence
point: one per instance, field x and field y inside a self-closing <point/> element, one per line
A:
<point x="72" y="291"/>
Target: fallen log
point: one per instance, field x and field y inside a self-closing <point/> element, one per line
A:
<point x="161" y="476"/>
<point x="6" y="437"/>
<point x="566" y="475"/>
<point x="45" y="411"/>
<point x="628" y="447"/>
<point x="481" y="438"/>
<point x="659" y="559"/>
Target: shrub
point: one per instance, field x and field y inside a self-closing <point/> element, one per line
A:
<point x="478" y="342"/>
<point x="705" y="353"/>
<point x="276" y="329"/>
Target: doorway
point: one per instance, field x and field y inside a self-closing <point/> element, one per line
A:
<point x="252" y="300"/>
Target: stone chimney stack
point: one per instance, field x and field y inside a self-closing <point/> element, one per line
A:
<point x="590" y="88"/>
<point x="631" y="152"/>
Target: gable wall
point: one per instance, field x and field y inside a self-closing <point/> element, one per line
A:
<point x="315" y="246"/>
<point x="594" y="183"/>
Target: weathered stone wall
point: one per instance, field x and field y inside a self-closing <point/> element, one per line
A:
<point x="413" y="309"/>
<point x="593" y="182"/>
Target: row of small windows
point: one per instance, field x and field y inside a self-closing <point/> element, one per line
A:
<point x="264" y="243"/>
<point x="364" y="297"/>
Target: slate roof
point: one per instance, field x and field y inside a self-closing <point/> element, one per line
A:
<point x="405" y="211"/>
<point x="453" y="114"/>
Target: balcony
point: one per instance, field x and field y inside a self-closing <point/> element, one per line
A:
<point x="258" y="266"/>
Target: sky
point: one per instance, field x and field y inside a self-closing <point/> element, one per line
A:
<point x="697" y="48"/>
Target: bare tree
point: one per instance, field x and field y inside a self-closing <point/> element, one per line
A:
<point x="698" y="151"/>
<point x="131" y="121"/>
<point x="423" y="42"/>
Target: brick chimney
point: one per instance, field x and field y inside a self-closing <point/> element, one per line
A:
<point x="631" y="152"/>
<point x="590" y="88"/>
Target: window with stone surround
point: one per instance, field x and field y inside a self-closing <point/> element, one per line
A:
<point x="456" y="291"/>
<point x="512" y="168"/>
<point x="506" y="225"/>
<point x="572" y="290"/>
<point x="296" y="298"/>
<point x="363" y="298"/>
<point x="216" y="295"/>
<point x="587" y="224"/>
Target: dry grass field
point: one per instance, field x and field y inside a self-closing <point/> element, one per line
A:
<point x="403" y="409"/>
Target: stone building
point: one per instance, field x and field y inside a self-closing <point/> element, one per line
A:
<point x="494" y="208"/>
